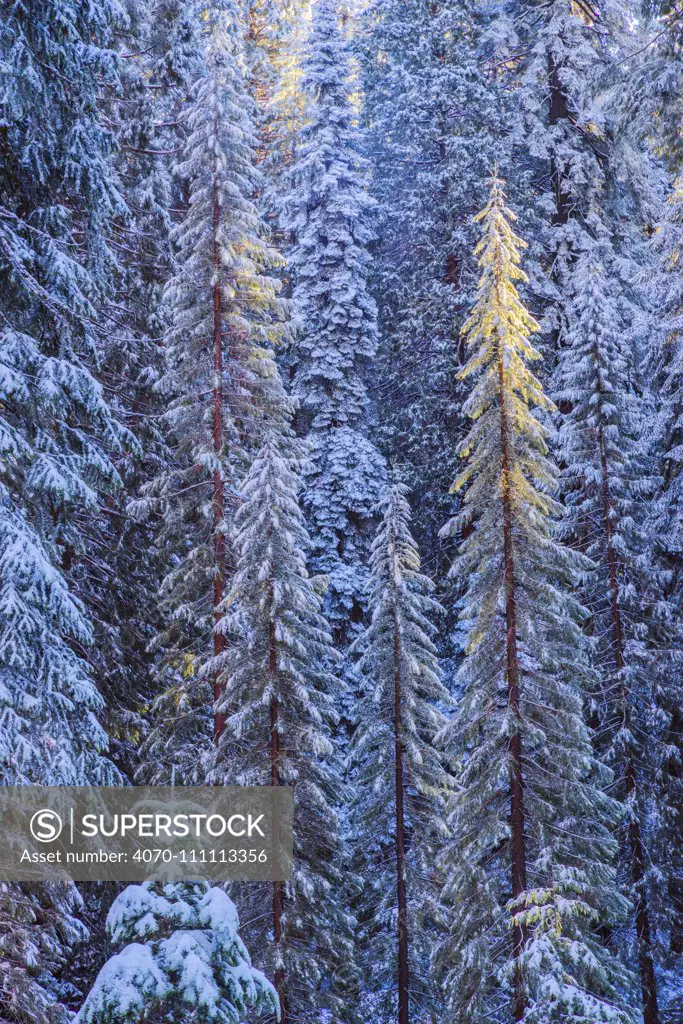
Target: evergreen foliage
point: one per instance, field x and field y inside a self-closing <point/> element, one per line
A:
<point x="59" y="442"/>
<point x="239" y="276"/>
<point x="435" y="125"/>
<point x="580" y="149"/>
<point x="608" y="483"/>
<point x="398" y="774"/>
<point x="220" y="386"/>
<point x="58" y="434"/>
<point x="180" y="959"/>
<point x="667" y="379"/>
<point x="666" y="537"/>
<point x="39" y="927"/>
<point x="158" y="61"/>
<point x="328" y="212"/>
<point x="279" y="686"/>
<point x="529" y="866"/>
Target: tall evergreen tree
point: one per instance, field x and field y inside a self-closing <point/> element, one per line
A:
<point x="40" y="926"/>
<point x="279" y="688"/>
<point x="607" y="484"/>
<point x="58" y="434"/>
<point x="220" y="383"/>
<point x="328" y="215"/>
<point x="160" y="50"/>
<point x="529" y="867"/>
<point x="435" y="121"/>
<point x="653" y="76"/>
<point x="666" y="292"/>
<point x="398" y="776"/>
<point x="578" y="154"/>
<point x="579" y="136"/>
<point x="666" y="523"/>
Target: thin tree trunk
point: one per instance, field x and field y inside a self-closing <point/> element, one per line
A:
<point x="517" y="822"/>
<point x="218" y="487"/>
<point x="558" y="110"/>
<point x="648" y="983"/>
<point x="402" y="921"/>
<point x="278" y="890"/>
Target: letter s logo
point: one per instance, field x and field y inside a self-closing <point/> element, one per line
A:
<point x="46" y="826"/>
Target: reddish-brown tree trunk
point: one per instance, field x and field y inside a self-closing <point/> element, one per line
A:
<point x="401" y="896"/>
<point x="517" y="840"/>
<point x="218" y="487"/>
<point x="648" y="982"/>
<point x="278" y="889"/>
<point x="558" y="110"/>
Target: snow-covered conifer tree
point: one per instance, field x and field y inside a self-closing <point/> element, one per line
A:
<point x="58" y="444"/>
<point x="278" y="681"/>
<point x="607" y="484"/>
<point x="328" y="215"/>
<point x="57" y="431"/>
<point x="528" y="871"/>
<point x="220" y="382"/>
<point x="39" y="927"/>
<point x="652" y="79"/>
<point x="272" y="29"/>
<point x="398" y="776"/>
<point x="434" y="121"/>
<point x="583" y="155"/>
<point x="180" y="960"/>
<point x="563" y="130"/>
<point x="666" y="526"/>
<point x="584" y="141"/>
<point x="158" y="46"/>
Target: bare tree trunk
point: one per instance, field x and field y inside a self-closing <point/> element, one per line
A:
<point x="218" y="486"/>
<point x="402" y="920"/>
<point x="517" y="821"/>
<point x="648" y="983"/>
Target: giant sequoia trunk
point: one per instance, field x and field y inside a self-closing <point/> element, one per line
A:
<point x="517" y="841"/>
<point x="648" y="982"/>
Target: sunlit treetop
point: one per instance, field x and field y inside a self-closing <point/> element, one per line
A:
<point x="498" y="335"/>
